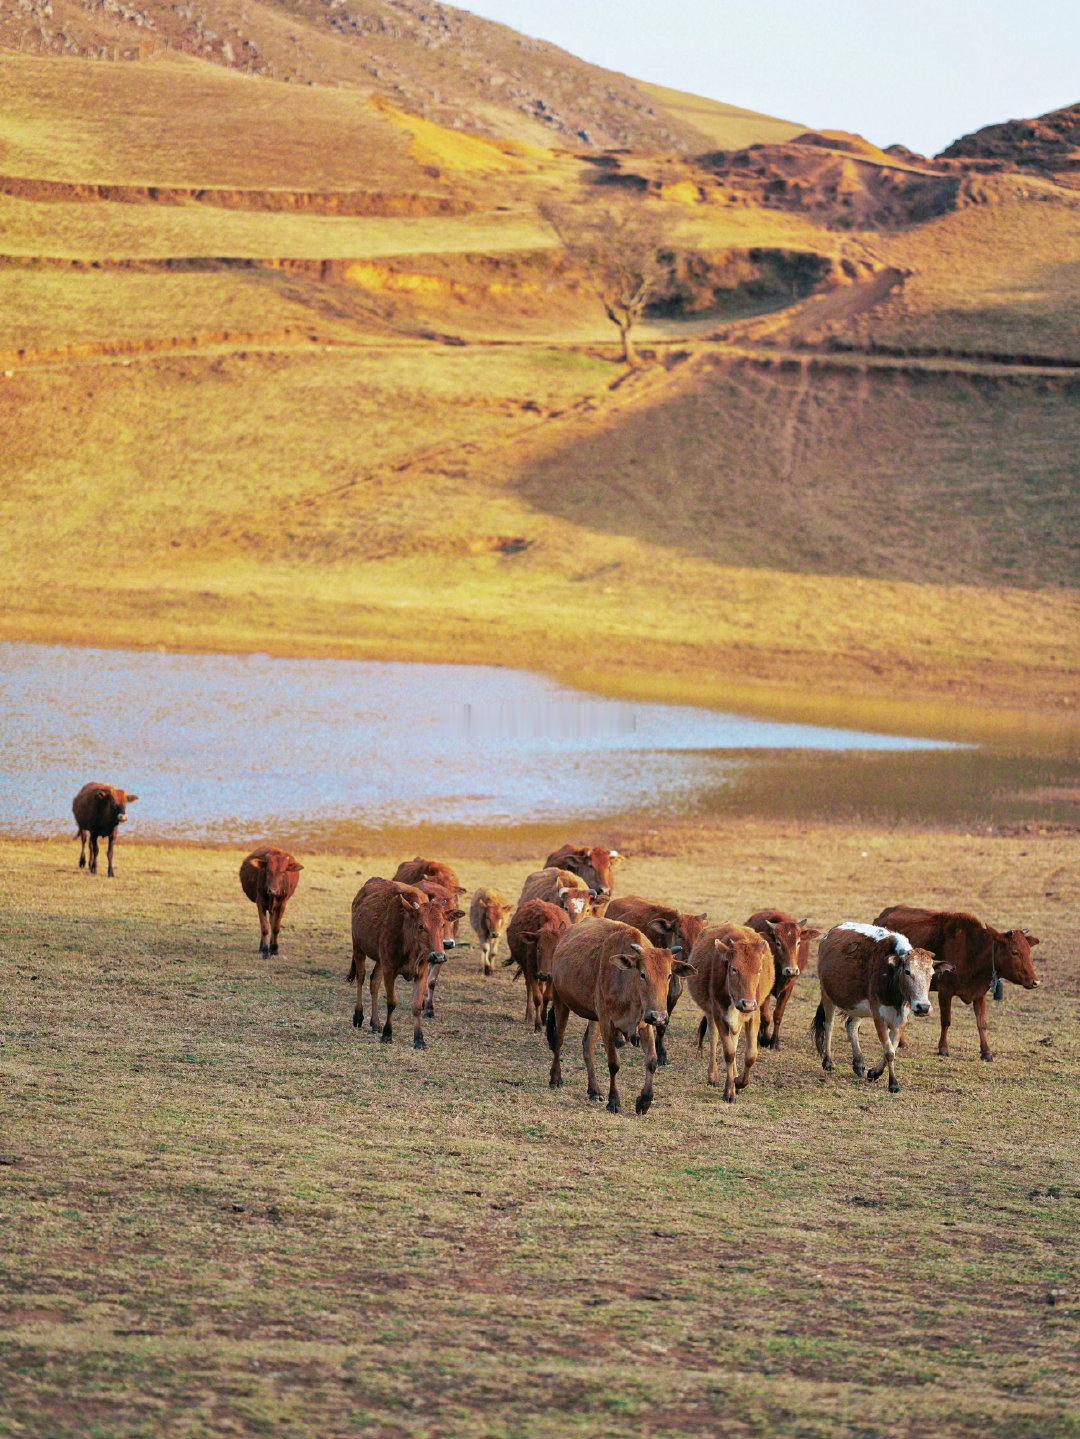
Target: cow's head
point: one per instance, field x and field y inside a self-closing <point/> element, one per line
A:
<point x="782" y="937"/>
<point x="576" y="902"/>
<point x="746" y="958"/>
<point x="595" y="865"/>
<point x="1012" y="956"/>
<point x="807" y="935"/>
<point x="276" y="867"/>
<point x="635" y="984"/>
<point x="428" y="926"/>
<point x="120" y="799"/>
<point x="446" y="898"/>
<point x="913" y="969"/>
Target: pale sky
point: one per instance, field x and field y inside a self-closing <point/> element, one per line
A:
<point x="922" y="72"/>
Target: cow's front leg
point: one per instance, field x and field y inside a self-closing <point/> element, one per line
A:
<point x="614" y="1103"/>
<point x="765" y="1032"/>
<point x="858" y="1063"/>
<point x="730" y="1042"/>
<point x="429" y="1001"/>
<point x="750" y="1053"/>
<point x="264" y="928"/>
<point x="109" y="871"/>
<point x="277" y="914"/>
<point x="945" y="1000"/>
<point x="420" y="989"/>
<point x="588" y="1050"/>
<point x="979" y="1006"/>
<point x="373" y="991"/>
<point x="647" y="1036"/>
<point x="556" y="1032"/>
<point x="714" y="1045"/>
<point x="391" y="1005"/>
<point x="778" y="1014"/>
<point x="888" y="1057"/>
<point x="489" y="956"/>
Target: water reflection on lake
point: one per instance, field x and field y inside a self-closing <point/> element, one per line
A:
<point x="224" y="745"/>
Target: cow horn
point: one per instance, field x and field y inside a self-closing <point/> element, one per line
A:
<point x="637" y="948"/>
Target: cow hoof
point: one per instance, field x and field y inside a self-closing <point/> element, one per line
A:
<point x="774" y="1042"/>
<point x="873" y="1075"/>
<point x="489" y="969"/>
<point x="387" y="1037"/>
<point x="860" y="1071"/>
<point x="894" y="1086"/>
<point x="614" y="1107"/>
<point x="661" y="1058"/>
<point x="594" y="1094"/>
<point x="728" y="1098"/>
<point x="358" y="1019"/>
<point x="429" y="1012"/>
<point x="827" y="1065"/>
<point x="82" y="863"/>
<point x="943" y="1051"/>
<point x="375" y="1027"/>
<point x="273" y="949"/>
<point x="554" y="1083"/>
<point x="642" y="1103"/>
<point x="264" y="953"/>
<point x="713" y="1083"/>
<point x="419" y="1042"/>
<point x="988" y="1058"/>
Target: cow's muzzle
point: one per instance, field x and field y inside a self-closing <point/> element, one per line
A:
<point x="746" y="1006"/>
<point x="448" y="943"/>
<point x="923" y="1007"/>
<point x="656" y="1016"/>
<point x="790" y="972"/>
<point x="434" y="958"/>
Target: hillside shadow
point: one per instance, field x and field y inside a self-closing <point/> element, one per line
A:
<point x="896" y="473"/>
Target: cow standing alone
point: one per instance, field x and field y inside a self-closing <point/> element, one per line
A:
<point x="99" y="809"/>
<point x="269" y="876"/>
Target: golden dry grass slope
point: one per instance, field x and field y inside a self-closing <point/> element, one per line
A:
<point x="289" y="360"/>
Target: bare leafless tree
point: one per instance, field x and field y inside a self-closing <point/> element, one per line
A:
<point x="618" y="249"/>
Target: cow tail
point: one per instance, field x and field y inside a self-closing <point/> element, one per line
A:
<point x="550" y="1030"/>
<point x="702" y="1027"/>
<point x="817" y="1029"/>
<point x="510" y="961"/>
<point x="352" y="972"/>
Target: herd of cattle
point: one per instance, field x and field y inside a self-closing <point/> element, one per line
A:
<point x="621" y="963"/>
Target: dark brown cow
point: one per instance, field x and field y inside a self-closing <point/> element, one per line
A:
<point x="269" y="877"/>
<point x="790" y="940"/>
<point x="733" y="975"/>
<point x="440" y="881"/>
<point x="595" y="865"/>
<point x="488" y="914"/>
<point x="532" y="936"/>
<point x="403" y="931"/>
<point x="667" y="929"/>
<point x="867" y="971"/>
<point x="99" y="809"/>
<point x="610" y="975"/>
<point x="980" y="955"/>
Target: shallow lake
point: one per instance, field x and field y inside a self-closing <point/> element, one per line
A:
<point x="226" y="746"/>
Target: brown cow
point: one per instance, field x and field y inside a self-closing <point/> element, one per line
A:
<point x="867" y="971"/>
<point x="403" y="931"/>
<point x="558" y="886"/>
<point x="488" y="914"/>
<point x="980" y="955"/>
<point x="733" y="976"/>
<point x="789" y="939"/>
<point x="610" y="975"/>
<point x="667" y="929"/>
<point x="269" y="877"/>
<point x="596" y="866"/>
<point x="532" y="936"/>
<point x="439" y="880"/>
<point x="99" y="809"/>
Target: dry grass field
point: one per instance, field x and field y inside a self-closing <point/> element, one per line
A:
<point x="229" y="1212"/>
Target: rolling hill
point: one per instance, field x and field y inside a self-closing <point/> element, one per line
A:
<point x="291" y="360"/>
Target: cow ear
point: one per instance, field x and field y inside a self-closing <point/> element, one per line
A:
<point x="809" y="933"/>
<point x="945" y="968"/>
<point x="1032" y="939"/>
<point x="626" y="961"/>
<point x="683" y="966"/>
<point x="293" y="867"/>
<point x="131" y="798"/>
<point x="701" y="916"/>
<point x="456" y="914"/>
<point x="257" y="863"/>
<point x="409" y="903"/>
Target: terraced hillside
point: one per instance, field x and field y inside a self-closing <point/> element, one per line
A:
<point x="301" y="367"/>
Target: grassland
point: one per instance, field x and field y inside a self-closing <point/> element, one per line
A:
<point x="229" y="1212"/>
